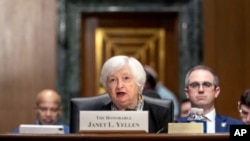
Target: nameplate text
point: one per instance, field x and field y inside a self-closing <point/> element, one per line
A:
<point x="113" y="121"/>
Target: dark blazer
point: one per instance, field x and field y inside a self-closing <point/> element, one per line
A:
<point x="158" y="119"/>
<point x="66" y="128"/>
<point x="222" y="123"/>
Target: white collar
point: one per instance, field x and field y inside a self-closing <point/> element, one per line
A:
<point x="211" y="115"/>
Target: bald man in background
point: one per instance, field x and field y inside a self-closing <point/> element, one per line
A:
<point x="48" y="109"/>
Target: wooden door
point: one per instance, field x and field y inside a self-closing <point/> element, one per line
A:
<point x="150" y="37"/>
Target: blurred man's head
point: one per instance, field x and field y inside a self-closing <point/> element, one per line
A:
<point x="244" y="106"/>
<point x="185" y="108"/>
<point x="151" y="80"/>
<point x="48" y="107"/>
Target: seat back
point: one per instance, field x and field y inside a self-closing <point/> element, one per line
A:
<point x="95" y="102"/>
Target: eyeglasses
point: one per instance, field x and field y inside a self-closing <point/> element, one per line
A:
<point x="243" y="113"/>
<point x="196" y="85"/>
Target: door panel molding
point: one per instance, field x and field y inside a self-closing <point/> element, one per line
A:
<point x="141" y="43"/>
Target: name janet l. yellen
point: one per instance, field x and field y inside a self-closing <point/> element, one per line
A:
<point x="113" y="124"/>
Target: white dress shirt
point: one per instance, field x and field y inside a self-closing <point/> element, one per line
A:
<point x="211" y="121"/>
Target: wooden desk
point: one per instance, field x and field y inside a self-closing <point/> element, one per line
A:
<point x="117" y="137"/>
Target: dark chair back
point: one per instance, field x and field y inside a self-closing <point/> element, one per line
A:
<point x="95" y="102"/>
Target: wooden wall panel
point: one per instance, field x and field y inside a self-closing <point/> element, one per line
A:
<point x="27" y="57"/>
<point x="247" y="45"/>
<point x="225" y="49"/>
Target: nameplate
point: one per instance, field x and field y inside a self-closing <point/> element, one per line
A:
<point x="192" y="127"/>
<point x="98" y="121"/>
<point x="238" y="132"/>
<point x="41" y="129"/>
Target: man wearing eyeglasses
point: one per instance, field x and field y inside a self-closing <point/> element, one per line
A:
<point x="202" y="88"/>
<point x="244" y="106"/>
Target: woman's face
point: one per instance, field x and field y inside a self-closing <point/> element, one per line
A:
<point x="123" y="89"/>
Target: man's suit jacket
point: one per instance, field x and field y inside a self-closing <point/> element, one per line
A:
<point x="222" y="123"/>
<point x="158" y="119"/>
